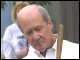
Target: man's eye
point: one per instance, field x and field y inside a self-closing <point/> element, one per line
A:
<point x="38" y="29"/>
<point x="29" y="33"/>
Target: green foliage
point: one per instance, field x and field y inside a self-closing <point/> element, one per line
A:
<point x="35" y="2"/>
<point x="39" y="2"/>
<point x="3" y="3"/>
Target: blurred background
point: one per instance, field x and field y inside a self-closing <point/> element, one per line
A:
<point x="62" y="12"/>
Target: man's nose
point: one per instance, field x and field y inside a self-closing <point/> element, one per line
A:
<point x="35" y="35"/>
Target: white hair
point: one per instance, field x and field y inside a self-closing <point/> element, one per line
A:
<point x="44" y="13"/>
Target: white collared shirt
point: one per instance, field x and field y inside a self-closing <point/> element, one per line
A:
<point x="13" y="39"/>
<point x="69" y="51"/>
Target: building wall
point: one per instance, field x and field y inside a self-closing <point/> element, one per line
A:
<point x="71" y="20"/>
<point x="66" y="13"/>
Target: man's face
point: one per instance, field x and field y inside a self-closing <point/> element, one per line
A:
<point x="37" y="31"/>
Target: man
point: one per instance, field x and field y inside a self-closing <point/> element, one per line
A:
<point x="37" y="26"/>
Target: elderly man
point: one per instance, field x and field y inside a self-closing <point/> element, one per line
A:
<point x="37" y="26"/>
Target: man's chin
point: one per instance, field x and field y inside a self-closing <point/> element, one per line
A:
<point x="40" y="49"/>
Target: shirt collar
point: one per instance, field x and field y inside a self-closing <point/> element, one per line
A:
<point x="55" y="45"/>
<point x="53" y="49"/>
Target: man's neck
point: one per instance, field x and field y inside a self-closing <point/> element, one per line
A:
<point x="43" y="53"/>
<point x="52" y="43"/>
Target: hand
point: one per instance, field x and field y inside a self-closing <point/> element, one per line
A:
<point x="22" y="53"/>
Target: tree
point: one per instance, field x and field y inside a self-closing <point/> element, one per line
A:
<point x="3" y="3"/>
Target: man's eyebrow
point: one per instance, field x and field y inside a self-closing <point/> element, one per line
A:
<point x="33" y="28"/>
<point x="37" y="27"/>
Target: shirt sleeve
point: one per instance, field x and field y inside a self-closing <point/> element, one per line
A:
<point x="8" y="50"/>
<point x="7" y="47"/>
<point x="7" y="35"/>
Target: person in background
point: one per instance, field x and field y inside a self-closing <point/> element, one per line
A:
<point x="36" y="25"/>
<point x="13" y="38"/>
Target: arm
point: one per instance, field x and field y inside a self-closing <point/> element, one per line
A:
<point x="22" y="53"/>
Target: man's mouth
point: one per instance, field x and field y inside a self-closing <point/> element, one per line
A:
<point x="38" y="43"/>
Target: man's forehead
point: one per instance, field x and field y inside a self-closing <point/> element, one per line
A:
<point x="28" y="12"/>
<point x="29" y="8"/>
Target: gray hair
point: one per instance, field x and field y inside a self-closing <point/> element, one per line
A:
<point x="44" y="13"/>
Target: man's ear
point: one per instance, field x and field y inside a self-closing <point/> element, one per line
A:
<point x="50" y="25"/>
